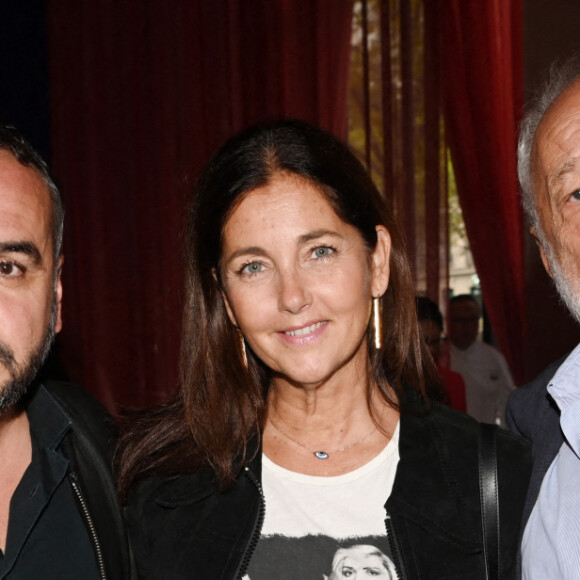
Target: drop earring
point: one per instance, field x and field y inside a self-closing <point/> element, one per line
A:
<point x="378" y="322"/>
<point x="243" y="348"/>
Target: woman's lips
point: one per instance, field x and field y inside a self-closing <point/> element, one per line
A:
<point x="305" y="333"/>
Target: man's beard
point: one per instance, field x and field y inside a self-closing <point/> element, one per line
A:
<point x="22" y="375"/>
<point x="569" y="294"/>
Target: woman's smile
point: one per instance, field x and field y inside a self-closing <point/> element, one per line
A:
<point x="305" y="334"/>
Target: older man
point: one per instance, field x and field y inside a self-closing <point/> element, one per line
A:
<point x="548" y="410"/>
<point x="58" y="507"/>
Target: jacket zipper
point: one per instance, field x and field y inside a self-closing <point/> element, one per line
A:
<point x="93" y="532"/>
<point x="257" y="526"/>
<point x="395" y="552"/>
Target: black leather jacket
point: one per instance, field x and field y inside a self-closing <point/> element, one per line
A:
<point x="183" y="526"/>
<point x="89" y="446"/>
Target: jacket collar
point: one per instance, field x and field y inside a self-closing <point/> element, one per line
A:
<point x="191" y="487"/>
<point x="48" y="421"/>
<point x="426" y="490"/>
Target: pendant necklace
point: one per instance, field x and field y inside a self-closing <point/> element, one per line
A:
<point x="320" y="453"/>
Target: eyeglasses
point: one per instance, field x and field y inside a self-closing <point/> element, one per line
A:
<point x="465" y="319"/>
<point x="436" y="341"/>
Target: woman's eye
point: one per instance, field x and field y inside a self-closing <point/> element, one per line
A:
<point x="322" y="252"/>
<point x="251" y="268"/>
<point x="576" y="195"/>
<point x="10" y="270"/>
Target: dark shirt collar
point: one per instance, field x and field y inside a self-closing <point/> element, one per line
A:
<point x="48" y="422"/>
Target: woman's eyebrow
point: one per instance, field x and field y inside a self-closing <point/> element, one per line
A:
<point x="255" y="250"/>
<point x="304" y="238"/>
<point x="259" y="251"/>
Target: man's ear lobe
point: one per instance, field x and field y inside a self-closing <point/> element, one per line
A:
<point x="545" y="260"/>
<point x="543" y="255"/>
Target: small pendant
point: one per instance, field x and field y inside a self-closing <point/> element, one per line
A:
<point x="320" y="454"/>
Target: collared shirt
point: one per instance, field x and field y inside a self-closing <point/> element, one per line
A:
<point x="488" y="381"/>
<point x="551" y="541"/>
<point x="47" y="537"/>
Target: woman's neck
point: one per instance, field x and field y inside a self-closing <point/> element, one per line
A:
<point x="326" y="430"/>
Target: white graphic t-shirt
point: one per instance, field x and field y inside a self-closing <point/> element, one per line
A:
<point x="326" y="528"/>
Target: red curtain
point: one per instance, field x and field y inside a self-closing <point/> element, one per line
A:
<point x="483" y="87"/>
<point x="142" y="92"/>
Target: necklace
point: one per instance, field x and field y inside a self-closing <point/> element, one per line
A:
<point x="320" y="453"/>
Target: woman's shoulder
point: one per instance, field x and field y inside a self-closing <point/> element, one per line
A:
<point x="170" y="490"/>
<point x="458" y="429"/>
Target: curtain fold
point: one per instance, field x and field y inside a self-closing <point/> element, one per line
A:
<point x="396" y="126"/>
<point x="483" y="87"/>
<point x="142" y="93"/>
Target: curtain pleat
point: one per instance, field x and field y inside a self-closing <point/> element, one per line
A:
<point x="482" y="76"/>
<point x="142" y="92"/>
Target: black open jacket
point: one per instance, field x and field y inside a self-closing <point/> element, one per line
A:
<point x="183" y="527"/>
<point x="89" y="446"/>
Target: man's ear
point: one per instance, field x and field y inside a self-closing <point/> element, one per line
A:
<point x="58" y="295"/>
<point x="543" y="255"/>
<point x="225" y="298"/>
<point x="380" y="262"/>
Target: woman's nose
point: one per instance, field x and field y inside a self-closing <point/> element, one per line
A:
<point x="294" y="295"/>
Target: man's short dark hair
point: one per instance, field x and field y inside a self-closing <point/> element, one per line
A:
<point x="13" y="141"/>
<point x="464" y="298"/>
<point x="428" y="310"/>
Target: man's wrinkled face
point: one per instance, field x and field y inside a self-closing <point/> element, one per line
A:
<point x="556" y="181"/>
<point x="30" y="287"/>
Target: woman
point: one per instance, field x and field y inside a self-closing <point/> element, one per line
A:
<point x="303" y="405"/>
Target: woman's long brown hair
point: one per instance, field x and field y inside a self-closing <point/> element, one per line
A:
<point x="221" y="404"/>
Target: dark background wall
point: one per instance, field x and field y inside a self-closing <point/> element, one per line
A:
<point x="24" y="94"/>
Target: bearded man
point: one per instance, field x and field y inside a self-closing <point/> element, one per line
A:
<point x="547" y="411"/>
<point x="58" y="509"/>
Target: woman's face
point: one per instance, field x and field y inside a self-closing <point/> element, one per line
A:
<point x="299" y="281"/>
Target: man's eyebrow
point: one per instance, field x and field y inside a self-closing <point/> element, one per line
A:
<point x="26" y="248"/>
<point x="568" y="166"/>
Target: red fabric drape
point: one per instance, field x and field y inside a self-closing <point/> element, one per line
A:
<point x="483" y="97"/>
<point x="141" y="93"/>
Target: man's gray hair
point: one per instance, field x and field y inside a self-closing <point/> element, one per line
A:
<point x="561" y="76"/>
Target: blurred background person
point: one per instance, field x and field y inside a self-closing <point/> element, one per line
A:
<point x="431" y="323"/>
<point x="488" y="381"/>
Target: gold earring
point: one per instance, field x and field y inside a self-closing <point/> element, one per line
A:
<point x="378" y="322"/>
<point x="243" y="348"/>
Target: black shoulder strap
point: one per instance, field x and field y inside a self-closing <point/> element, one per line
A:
<point x="489" y="498"/>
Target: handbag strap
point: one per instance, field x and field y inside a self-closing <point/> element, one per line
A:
<point x="489" y="498"/>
